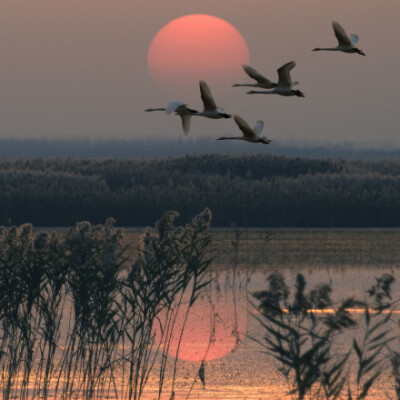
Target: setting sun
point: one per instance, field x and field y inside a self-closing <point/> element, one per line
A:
<point x="196" y="47"/>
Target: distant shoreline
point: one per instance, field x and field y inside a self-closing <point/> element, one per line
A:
<point x="11" y="148"/>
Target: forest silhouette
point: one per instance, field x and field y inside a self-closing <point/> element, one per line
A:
<point x="252" y="191"/>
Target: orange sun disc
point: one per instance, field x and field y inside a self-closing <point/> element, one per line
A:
<point x="196" y="47"/>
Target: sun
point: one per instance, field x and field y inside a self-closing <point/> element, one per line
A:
<point x="196" y="47"/>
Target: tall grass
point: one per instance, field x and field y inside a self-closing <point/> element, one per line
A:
<point x="94" y="260"/>
<point x="169" y="274"/>
<point x="22" y="276"/>
<point x="52" y="307"/>
<point x="81" y="319"/>
<point x="305" y="343"/>
<point x="78" y="318"/>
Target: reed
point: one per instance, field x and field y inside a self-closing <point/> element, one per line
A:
<point x="169" y="273"/>
<point x="50" y="248"/>
<point x="94" y="260"/>
<point x="304" y="343"/>
<point x="78" y="319"/>
<point x="21" y="281"/>
<point x="75" y="313"/>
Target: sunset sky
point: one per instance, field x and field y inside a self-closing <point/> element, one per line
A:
<point x="78" y="68"/>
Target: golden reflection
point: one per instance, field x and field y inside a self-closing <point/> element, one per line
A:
<point x="350" y="310"/>
<point x="210" y="329"/>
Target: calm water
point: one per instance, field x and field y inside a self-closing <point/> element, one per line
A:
<point x="347" y="259"/>
<point x="223" y="321"/>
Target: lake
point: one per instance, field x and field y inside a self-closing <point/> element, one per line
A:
<point x="349" y="260"/>
<point x="221" y="353"/>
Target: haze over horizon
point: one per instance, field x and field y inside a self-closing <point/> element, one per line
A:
<point x="78" y="69"/>
<point x="158" y="148"/>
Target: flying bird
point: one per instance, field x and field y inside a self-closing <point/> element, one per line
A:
<point x="346" y="43"/>
<point x="249" y="135"/>
<point x="210" y="109"/>
<point x="180" y="109"/>
<point x="284" y="86"/>
<point x="261" y="80"/>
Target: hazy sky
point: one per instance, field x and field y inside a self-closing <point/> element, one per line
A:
<point x="78" y="68"/>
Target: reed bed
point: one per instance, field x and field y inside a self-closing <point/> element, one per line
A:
<point x="78" y="317"/>
<point x="84" y="316"/>
<point x="305" y="341"/>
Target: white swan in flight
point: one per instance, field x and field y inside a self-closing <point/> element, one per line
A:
<point x="249" y="135"/>
<point x="262" y="81"/>
<point x="210" y="109"/>
<point x="346" y="43"/>
<point x="284" y="86"/>
<point x="180" y="109"/>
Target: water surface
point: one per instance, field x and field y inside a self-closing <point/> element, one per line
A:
<point x="348" y="260"/>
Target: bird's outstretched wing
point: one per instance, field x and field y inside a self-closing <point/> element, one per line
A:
<point x="173" y="106"/>
<point x="341" y="34"/>
<point x="252" y="73"/>
<point x="244" y="127"/>
<point x="206" y="97"/>
<point x="186" y="124"/>
<point x="259" y="127"/>
<point x="284" y="74"/>
<point x="354" y="39"/>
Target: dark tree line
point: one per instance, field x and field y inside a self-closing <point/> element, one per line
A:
<point x="258" y="190"/>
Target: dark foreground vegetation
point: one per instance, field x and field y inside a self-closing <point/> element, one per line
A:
<point x="318" y="351"/>
<point x="246" y="190"/>
<point x="78" y="320"/>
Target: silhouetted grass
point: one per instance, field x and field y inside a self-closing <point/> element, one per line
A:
<point x="170" y="271"/>
<point x="304" y="340"/>
<point x="78" y="319"/>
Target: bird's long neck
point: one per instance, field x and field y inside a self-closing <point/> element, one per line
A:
<point x="326" y="48"/>
<point x="155" y="109"/>
<point x="260" y="92"/>
<point x="244" y="84"/>
<point x="230" y="138"/>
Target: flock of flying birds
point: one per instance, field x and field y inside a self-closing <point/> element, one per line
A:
<point x="284" y="87"/>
